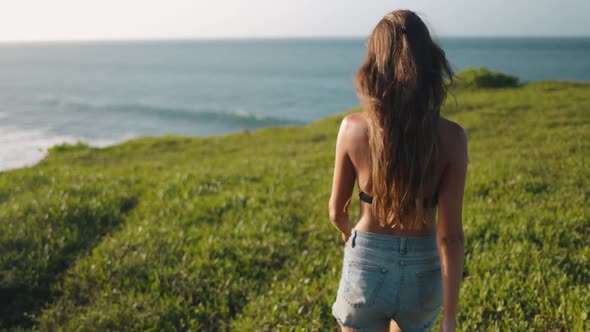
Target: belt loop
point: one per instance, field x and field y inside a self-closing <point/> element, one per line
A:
<point x="402" y="246"/>
<point x="353" y="239"/>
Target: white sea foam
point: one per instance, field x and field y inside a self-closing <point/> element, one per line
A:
<point x="25" y="147"/>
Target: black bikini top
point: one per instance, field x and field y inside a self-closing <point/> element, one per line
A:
<point x="427" y="203"/>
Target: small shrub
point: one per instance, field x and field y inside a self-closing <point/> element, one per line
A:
<point x="484" y="78"/>
<point x="68" y="147"/>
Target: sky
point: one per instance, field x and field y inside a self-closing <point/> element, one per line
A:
<point x="32" y="20"/>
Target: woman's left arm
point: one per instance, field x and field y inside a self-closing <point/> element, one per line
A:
<point x="343" y="182"/>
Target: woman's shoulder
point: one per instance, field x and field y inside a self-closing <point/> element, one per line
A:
<point x="356" y="119"/>
<point x="452" y="132"/>
<point x="453" y="137"/>
<point x="355" y="125"/>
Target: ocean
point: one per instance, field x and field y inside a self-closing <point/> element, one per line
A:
<point x="103" y="93"/>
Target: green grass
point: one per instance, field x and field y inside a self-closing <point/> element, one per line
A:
<point x="231" y="232"/>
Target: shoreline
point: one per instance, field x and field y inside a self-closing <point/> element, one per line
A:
<point x="42" y="153"/>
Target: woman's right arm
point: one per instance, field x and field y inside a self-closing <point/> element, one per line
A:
<point x="450" y="228"/>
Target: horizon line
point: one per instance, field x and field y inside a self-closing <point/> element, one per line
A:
<point x="246" y="38"/>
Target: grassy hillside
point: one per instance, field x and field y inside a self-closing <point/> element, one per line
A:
<point x="231" y="232"/>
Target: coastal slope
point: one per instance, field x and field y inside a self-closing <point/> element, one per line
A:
<point x="231" y="232"/>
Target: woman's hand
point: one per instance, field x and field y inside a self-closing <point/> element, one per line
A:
<point x="447" y="325"/>
<point x="345" y="236"/>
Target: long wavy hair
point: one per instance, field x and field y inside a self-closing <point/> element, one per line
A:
<point x="401" y="85"/>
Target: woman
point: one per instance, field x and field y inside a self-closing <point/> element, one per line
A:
<point x="409" y="163"/>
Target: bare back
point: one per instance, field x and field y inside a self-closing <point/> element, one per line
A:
<point x="355" y="142"/>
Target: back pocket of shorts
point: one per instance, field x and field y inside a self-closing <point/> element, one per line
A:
<point x="430" y="289"/>
<point x="363" y="281"/>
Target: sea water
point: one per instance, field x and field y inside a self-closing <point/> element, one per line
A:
<point x="106" y="92"/>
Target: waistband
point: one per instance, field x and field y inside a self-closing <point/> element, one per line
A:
<point x="393" y="243"/>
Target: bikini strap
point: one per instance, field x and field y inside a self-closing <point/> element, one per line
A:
<point x="365" y="197"/>
<point x="427" y="203"/>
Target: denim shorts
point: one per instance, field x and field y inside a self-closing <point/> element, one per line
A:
<point x="388" y="277"/>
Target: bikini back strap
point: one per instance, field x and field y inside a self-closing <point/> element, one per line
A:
<point x="365" y="197"/>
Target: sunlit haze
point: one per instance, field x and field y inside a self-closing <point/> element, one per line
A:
<point x="140" y="19"/>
